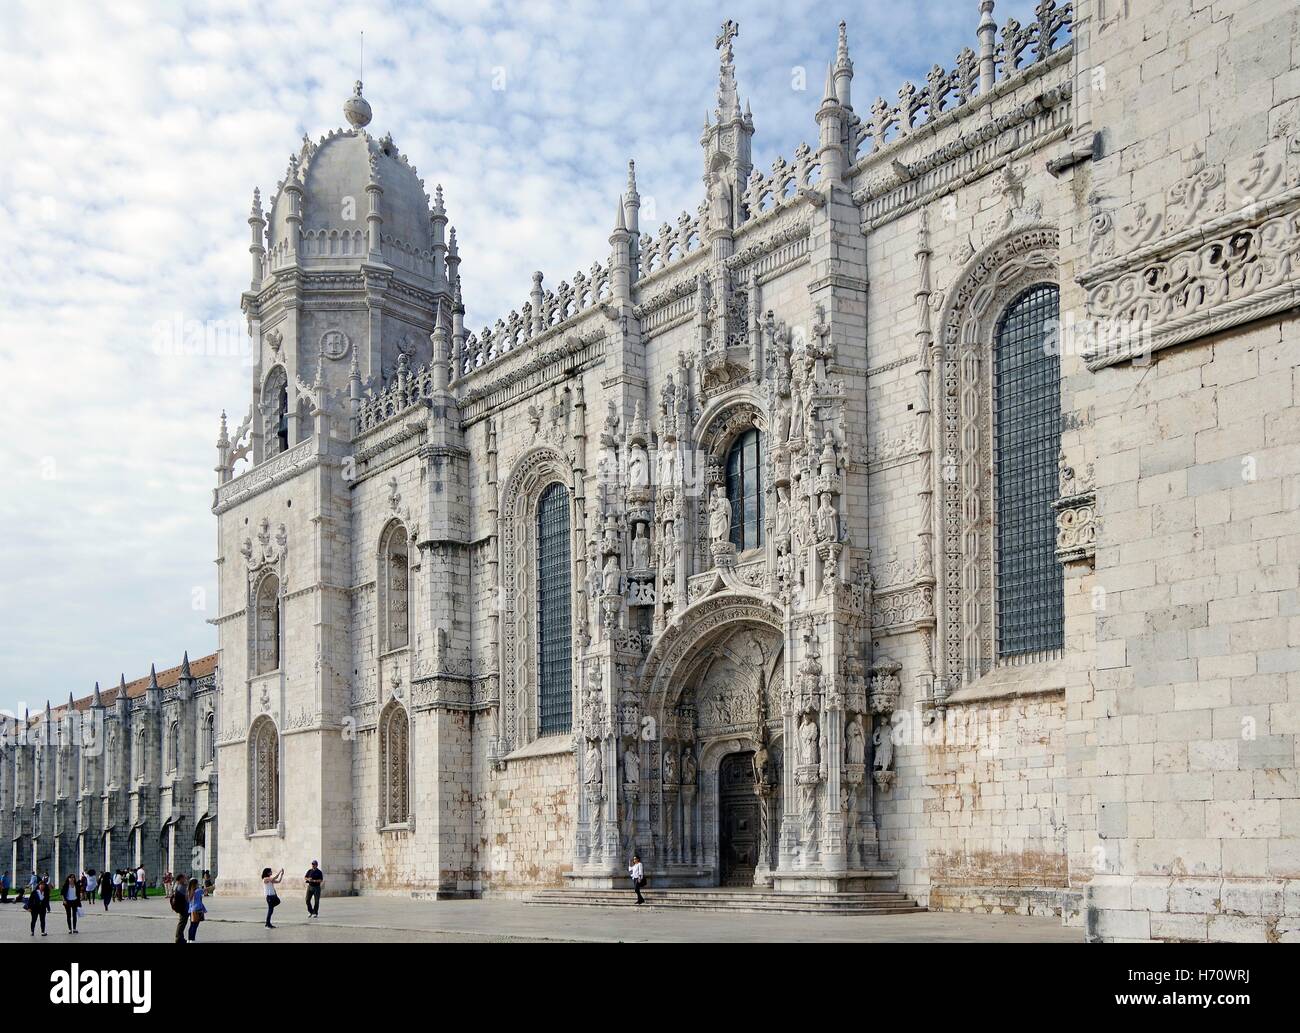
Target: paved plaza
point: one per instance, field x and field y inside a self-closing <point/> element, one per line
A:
<point x="384" y="919"/>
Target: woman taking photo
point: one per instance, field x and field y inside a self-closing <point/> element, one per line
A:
<point x="197" y="907"/>
<point x="71" y="901"/>
<point x="272" y="898"/>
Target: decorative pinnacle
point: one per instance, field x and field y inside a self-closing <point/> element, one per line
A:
<point x="842" y="61"/>
<point x="185" y="665"/>
<point x="256" y="210"/>
<point x="632" y="196"/>
<point x="153" y="677"/>
<point x="357" y="109"/>
<point x="438" y="209"/>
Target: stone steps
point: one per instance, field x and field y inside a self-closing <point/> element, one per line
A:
<point x="869" y="903"/>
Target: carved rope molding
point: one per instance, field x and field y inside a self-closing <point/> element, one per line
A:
<point x="1229" y="270"/>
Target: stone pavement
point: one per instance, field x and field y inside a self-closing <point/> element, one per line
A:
<point x="381" y="919"/>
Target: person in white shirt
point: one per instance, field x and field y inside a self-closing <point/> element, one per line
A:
<point x="139" y="881"/>
<point x="638" y="877"/>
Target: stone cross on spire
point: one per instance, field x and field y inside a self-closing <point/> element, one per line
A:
<point x="728" y="98"/>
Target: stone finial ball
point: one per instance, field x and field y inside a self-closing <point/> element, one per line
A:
<point x="357" y="109"/>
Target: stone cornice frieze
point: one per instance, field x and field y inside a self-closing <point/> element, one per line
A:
<point x="1203" y="279"/>
<point x="265" y="475"/>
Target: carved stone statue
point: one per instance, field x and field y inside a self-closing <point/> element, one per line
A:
<point x="631" y="767"/>
<point x="719" y="516"/>
<point x="855" y="746"/>
<point x="667" y="466"/>
<point x="883" y="743"/>
<point x="593" y="774"/>
<point x="828" y="521"/>
<point x="638" y="467"/>
<point x="782" y="515"/>
<point x="640" y="549"/>
<point x="610" y="576"/>
<point x="809" y="756"/>
<point x="689" y="769"/>
<point x="796" y="414"/>
<point x="670" y="767"/>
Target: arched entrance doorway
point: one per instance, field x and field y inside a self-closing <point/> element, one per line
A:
<point x="714" y="687"/>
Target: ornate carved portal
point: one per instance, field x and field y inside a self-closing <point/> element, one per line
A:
<point x="706" y="817"/>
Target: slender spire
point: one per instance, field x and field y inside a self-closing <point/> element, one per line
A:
<point x="96" y="700"/>
<point x="185" y="665"/>
<point x="153" y="678"/>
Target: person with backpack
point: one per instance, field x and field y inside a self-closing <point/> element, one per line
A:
<point x="71" y="901"/>
<point x="180" y="902"/>
<point x="197" y="908"/>
<point x="272" y="898"/>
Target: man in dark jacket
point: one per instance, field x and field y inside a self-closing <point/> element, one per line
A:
<point x="181" y="905"/>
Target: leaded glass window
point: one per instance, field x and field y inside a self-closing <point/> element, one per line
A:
<point x="393" y="758"/>
<point x="554" y="662"/>
<point x="745" y="491"/>
<point x="1027" y="427"/>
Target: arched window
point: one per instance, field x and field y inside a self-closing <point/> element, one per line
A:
<point x="1027" y="441"/>
<point x="275" y="413"/>
<point x="209" y="745"/>
<point x="264" y="776"/>
<point x="267" y="625"/>
<point x="394" y="580"/>
<point x="394" y="803"/>
<point x="554" y="617"/>
<point x="141" y="747"/>
<point x="745" y="491"/>
<point x="174" y="746"/>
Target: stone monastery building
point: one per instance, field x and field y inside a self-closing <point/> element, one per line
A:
<point x="919" y="513"/>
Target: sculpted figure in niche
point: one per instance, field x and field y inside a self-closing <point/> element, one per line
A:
<point x="638" y="467"/>
<point x="640" y="549"/>
<point x="809" y="756"/>
<point x="670" y="766"/>
<point x="855" y="747"/>
<point x="593" y="773"/>
<point x="667" y="466"/>
<point x="611" y="576"/>
<point x="828" y="521"/>
<point x="719" y="516"/>
<point x="689" y="769"/>
<point x="883" y="743"/>
<point x="631" y="767"/>
<point x="782" y="515"/>
<point x="796" y="413"/>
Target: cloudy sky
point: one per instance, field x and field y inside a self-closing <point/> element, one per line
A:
<point x="137" y="133"/>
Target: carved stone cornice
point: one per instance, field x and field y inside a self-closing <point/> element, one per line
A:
<point x="1203" y="279"/>
<point x="265" y="475"/>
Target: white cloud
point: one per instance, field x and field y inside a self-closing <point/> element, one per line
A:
<point x="137" y="134"/>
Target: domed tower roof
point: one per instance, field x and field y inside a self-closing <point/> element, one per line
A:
<point x="330" y="178"/>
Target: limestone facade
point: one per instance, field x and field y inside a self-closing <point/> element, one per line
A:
<point x="117" y="779"/>
<point x="736" y="490"/>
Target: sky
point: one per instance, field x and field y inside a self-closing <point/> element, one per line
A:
<point x="137" y="133"/>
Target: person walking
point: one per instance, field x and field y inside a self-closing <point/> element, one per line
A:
<point x="272" y="898"/>
<point x="179" y="898"/>
<point x="92" y="884"/>
<point x="71" y="901"/>
<point x="197" y="908"/>
<point x="141" y="883"/>
<point x="209" y="887"/>
<point x="638" y="877"/>
<point x="117" y="885"/>
<point x="167" y="883"/>
<point x="314" y="879"/>
<point x="130" y="884"/>
<point x="4" y="888"/>
<point x="38" y="902"/>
